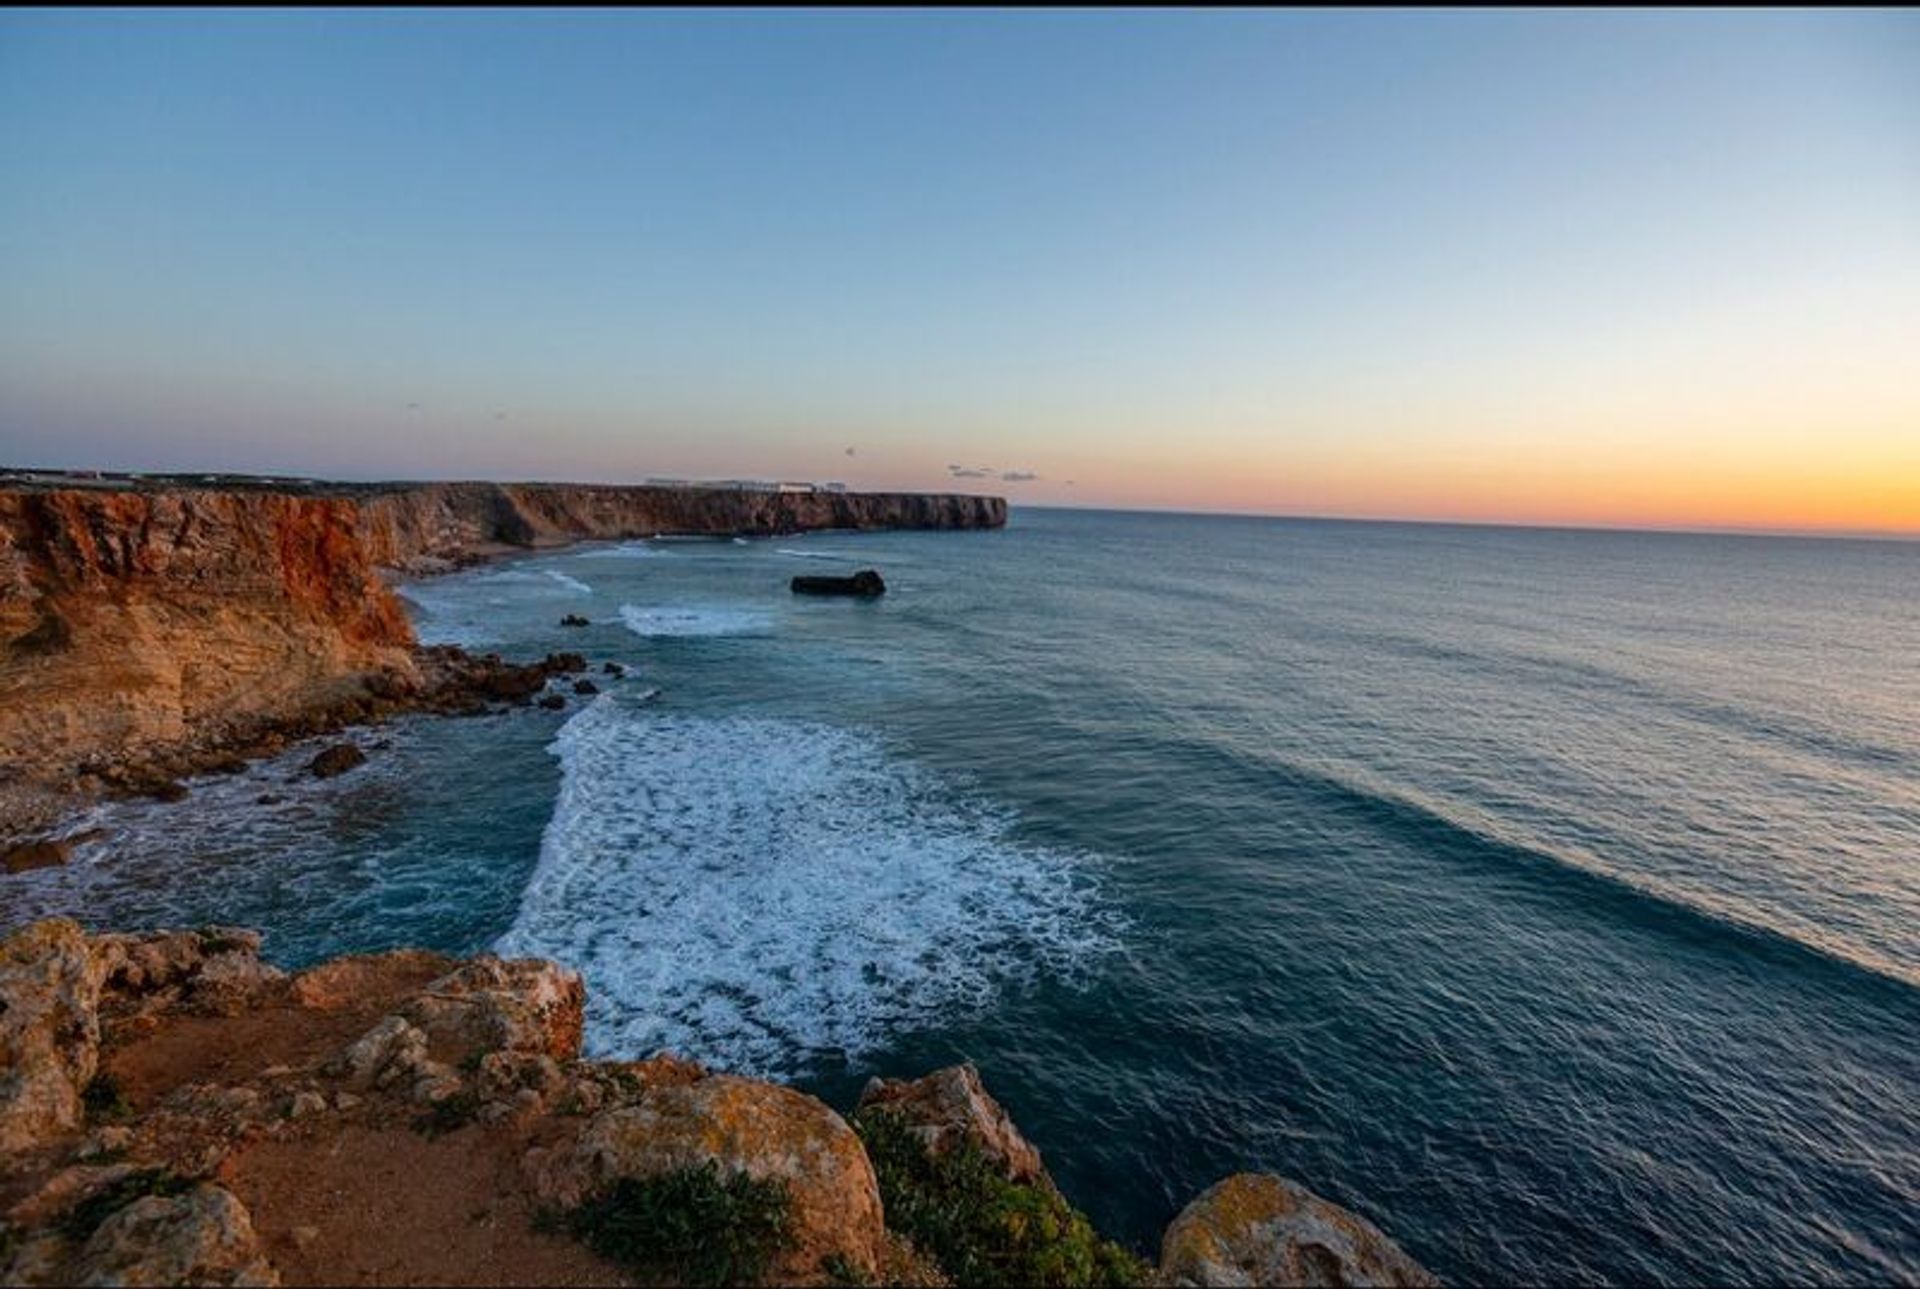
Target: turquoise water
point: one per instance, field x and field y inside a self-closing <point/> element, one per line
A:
<point x="1551" y="897"/>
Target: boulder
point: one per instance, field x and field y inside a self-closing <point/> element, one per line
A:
<point x="739" y="1124"/>
<point x="614" y="669"/>
<point x="46" y="852"/>
<point x="554" y="702"/>
<point x="1257" y="1229"/>
<point x="337" y="759"/>
<point x="215" y="971"/>
<point x="204" y="1237"/>
<point x="866" y="583"/>
<point x="951" y="1106"/>
<point x="49" y="1032"/>
<point x="526" y="1005"/>
<point x="575" y="620"/>
<point x="585" y="687"/>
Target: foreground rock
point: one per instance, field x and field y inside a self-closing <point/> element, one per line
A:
<point x="949" y="1109"/>
<point x="175" y="1111"/>
<point x="1255" y="1229"/>
<point x="866" y="584"/>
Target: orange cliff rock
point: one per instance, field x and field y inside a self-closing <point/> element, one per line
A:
<point x="135" y="620"/>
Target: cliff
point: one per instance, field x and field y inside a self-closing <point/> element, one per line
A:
<point x="154" y="623"/>
<point x="422" y="527"/>
<point x="173" y="1110"/>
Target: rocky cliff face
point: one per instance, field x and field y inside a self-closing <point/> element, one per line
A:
<point x="138" y="623"/>
<point x="421" y="527"/>
<point x="135" y="620"/>
<point x="175" y="1111"/>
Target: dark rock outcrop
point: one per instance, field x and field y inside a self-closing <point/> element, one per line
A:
<point x="336" y="760"/>
<point x="867" y="583"/>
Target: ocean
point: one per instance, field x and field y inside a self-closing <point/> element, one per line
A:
<point x="1550" y="897"/>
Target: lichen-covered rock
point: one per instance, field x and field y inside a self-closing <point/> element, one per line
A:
<point x="761" y="1129"/>
<point x="49" y="1032"/>
<point x="194" y="1130"/>
<point x="203" y="1237"/>
<point x="489" y="1005"/>
<point x="951" y="1106"/>
<point x="389" y="1052"/>
<point x="216" y="971"/>
<point x="348" y="982"/>
<point x="1257" y="1229"/>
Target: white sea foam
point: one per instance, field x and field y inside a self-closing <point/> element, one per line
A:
<point x="848" y="559"/>
<point x="625" y="550"/>
<point x="658" y="620"/>
<point x="445" y="617"/>
<point x="758" y="893"/>
<point x="571" y="583"/>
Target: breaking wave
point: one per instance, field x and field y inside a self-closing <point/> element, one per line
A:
<point x="764" y="894"/>
<point x="693" y="620"/>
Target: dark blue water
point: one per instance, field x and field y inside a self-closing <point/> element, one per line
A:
<point x="1551" y="897"/>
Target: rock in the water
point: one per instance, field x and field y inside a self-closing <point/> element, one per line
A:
<point x="613" y="669"/>
<point x="761" y="1129"/>
<point x="203" y="1237"/>
<point x="47" y="852"/>
<point x="585" y="687"/>
<point x="564" y="664"/>
<point x="49" y="1032"/>
<point x="167" y="790"/>
<point x="554" y="702"/>
<point x="1257" y="1229"/>
<point x="867" y="582"/>
<point x="575" y="620"/>
<point x="951" y="1106"/>
<point x="337" y="759"/>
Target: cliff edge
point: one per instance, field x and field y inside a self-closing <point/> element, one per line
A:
<point x="174" y="1110"/>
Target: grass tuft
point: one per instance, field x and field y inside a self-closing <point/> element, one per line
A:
<point x="979" y="1227"/>
<point x="691" y="1226"/>
<point x="83" y="1219"/>
<point x="104" y="1100"/>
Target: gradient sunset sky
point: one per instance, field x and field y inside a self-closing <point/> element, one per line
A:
<point x="1564" y="267"/>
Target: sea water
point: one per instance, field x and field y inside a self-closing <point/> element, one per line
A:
<point x="1550" y="897"/>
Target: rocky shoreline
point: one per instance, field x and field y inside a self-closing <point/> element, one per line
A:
<point x="156" y="629"/>
<point x="176" y="1111"/>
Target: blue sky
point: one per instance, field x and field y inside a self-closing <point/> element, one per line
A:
<point x="1522" y="266"/>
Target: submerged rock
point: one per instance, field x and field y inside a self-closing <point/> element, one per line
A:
<point x="867" y="583"/>
<point x="575" y="620"/>
<point x="554" y="702"/>
<point x="1257" y="1229"/>
<point x="337" y="759"/>
<point x="47" y="852"/>
<point x="585" y="687"/>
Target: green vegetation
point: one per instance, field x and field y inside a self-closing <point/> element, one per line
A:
<point x="691" y="1226"/>
<point x="103" y="1099"/>
<point x="981" y="1228"/>
<point x="84" y="1218"/>
<point x="214" y="940"/>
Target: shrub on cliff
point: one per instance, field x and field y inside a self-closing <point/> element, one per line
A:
<point x="690" y="1226"/>
<point x="981" y="1228"/>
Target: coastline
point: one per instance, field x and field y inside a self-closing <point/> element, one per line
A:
<point x="162" y="627"/>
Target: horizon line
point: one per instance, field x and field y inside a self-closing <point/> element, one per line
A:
<point x="1678" y="530"/>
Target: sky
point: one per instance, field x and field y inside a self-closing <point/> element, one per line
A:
<point x="1638" y="268"/>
